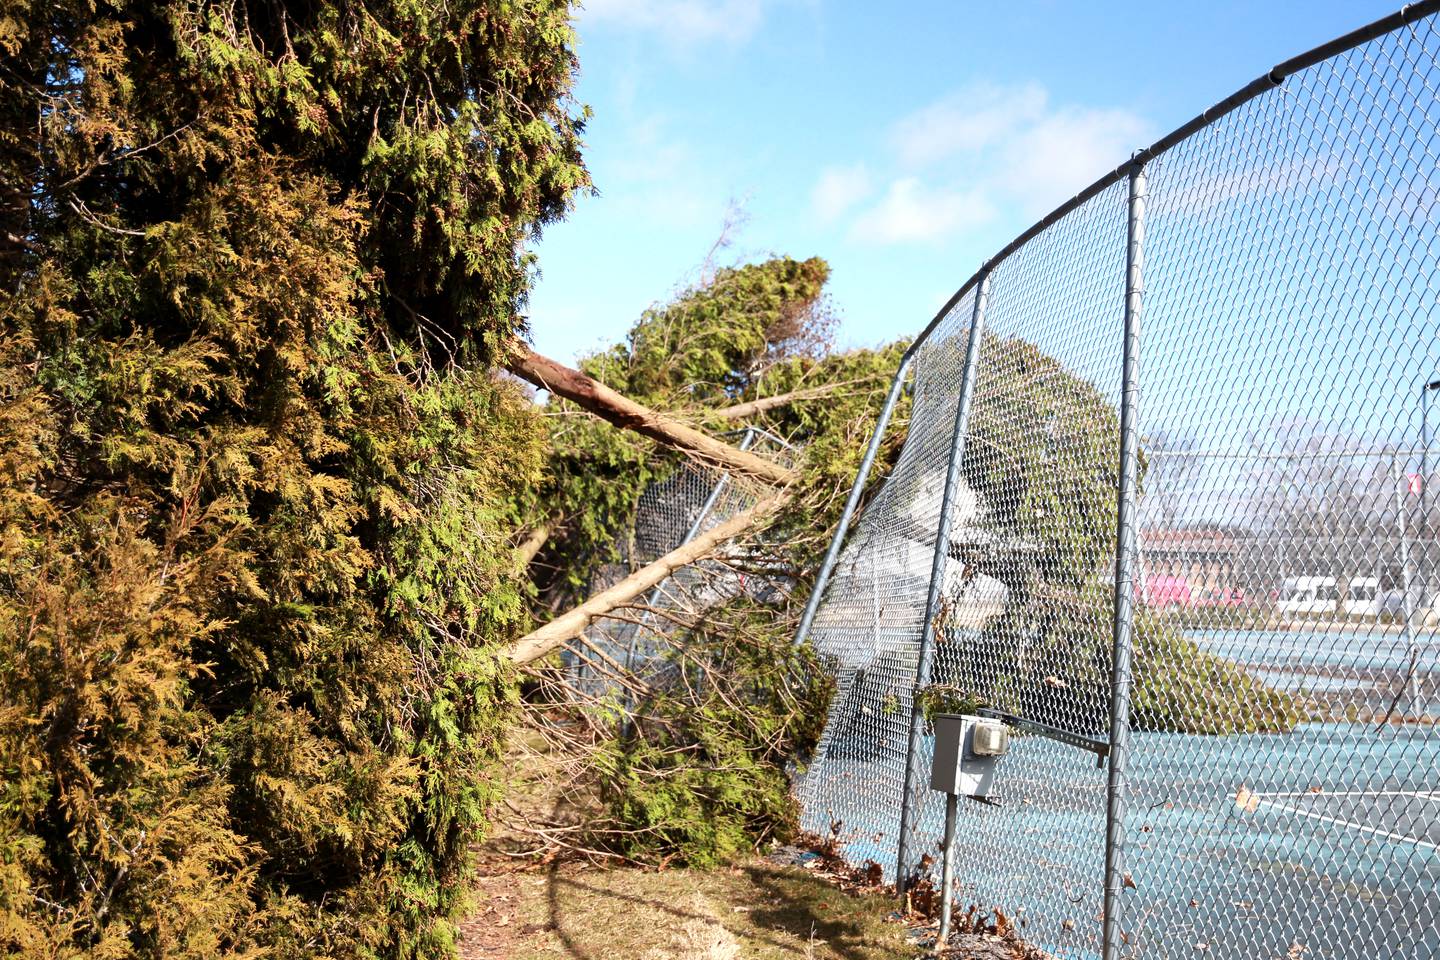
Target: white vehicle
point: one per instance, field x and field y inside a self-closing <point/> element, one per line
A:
<point x="1313" y="595"/>
<point x="1363" y="597"/>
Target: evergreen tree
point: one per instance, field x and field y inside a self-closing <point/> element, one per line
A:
<point x="697" y="765"/>
<point x="257" y="479"/>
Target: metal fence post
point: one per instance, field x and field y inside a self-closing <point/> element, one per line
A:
<point x="1125" y="550"/>
<point x="856" y="489"/>
<point x="911" y="798"/>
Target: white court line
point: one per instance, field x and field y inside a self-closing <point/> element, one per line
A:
<point x="1387" y="834"/>
<point x="1417" y="794"/>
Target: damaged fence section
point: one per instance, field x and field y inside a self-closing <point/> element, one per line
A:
<point x="623" y="651"/>
<point x="1168" y="486"/>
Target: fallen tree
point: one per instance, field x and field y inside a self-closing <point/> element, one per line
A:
<point x="595" y="397"/>
<point x="688" y="746"/>
<point x="746" y="333"/>
<point x="682" y="748"/>
<point x="571" y="624"/>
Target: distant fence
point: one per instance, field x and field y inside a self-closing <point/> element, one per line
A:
<point x="1165" y="488"/>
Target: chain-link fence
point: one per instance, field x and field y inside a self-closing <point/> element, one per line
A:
<point x="624" y="650"/>
<point x="1165" y="495"/>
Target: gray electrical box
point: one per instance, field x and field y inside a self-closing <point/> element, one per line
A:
<point x="966" y="750"/>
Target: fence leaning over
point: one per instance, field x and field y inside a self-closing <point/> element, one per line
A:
<point x="1224" y="586"/>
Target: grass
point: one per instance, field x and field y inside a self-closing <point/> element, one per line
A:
<point x="549" y="907"/>
<point x="753" y="911"/>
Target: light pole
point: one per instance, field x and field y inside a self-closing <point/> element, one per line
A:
<point x="1426" y="534"/>
<point x="1407" y="600"/>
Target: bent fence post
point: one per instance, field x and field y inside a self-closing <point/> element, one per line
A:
<point x="911" y="797"/>
<point x="856" y="489"/>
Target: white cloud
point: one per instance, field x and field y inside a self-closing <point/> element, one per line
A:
<point x="1064" y="151"/>
<point x="967" y="121"/>
<point x="985" y="152"/>
<point x="682" y="22"/>
<point x="648" y="152"/>
<point x="659" y="178"/>
<point x="912" y="211"/>
<point x="838" y="190"/>
<point x="646" y="168"/>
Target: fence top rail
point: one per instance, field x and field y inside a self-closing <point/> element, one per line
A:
<point x="1268" y="81"/>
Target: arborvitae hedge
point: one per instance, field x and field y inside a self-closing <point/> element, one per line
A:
<point x="256" y="477"/>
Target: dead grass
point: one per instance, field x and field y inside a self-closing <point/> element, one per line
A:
<point x="757" y="911"/>
<point x="538" y="898"/>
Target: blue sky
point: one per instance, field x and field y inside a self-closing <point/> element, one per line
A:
<point x="903" y="143"/>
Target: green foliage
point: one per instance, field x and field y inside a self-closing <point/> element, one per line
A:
<point x="1180" y="688"/>
<point x="702" y="777"/>
<point x="714" y="345"/>
<point x="1042" y="457"/>
<point x="257" y="484"/>
<point x="834" y="429"/>
<point x="1052" y="663"/>
<point x="937" y="698"/>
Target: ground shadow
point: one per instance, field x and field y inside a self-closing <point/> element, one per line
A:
<point x="810" y="908"/>
<point x="782" y="910"/>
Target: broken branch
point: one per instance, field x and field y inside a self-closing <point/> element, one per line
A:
<point x="567" y="626"/>
<point x="531" y="546"/>
<point x="750" y="408"/>
<point x="594" y="396"/>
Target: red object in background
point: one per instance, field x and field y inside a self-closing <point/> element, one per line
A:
<point x="1413" y="481"/>
<point x="1167" y="592"/>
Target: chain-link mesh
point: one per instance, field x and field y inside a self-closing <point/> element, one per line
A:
<point x="628" y="647"/>
<point x="871" y="621"/>
<point x="1282" y="796"/>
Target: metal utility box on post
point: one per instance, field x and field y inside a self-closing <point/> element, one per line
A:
<point x="966" y="751"/>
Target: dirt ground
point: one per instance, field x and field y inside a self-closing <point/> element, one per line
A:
<point x="532" y="904"/>
<point x="756" y="910"/>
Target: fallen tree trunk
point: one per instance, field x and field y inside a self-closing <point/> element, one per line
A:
<point x="569" y="625"/>
<point x="594" y="396"/>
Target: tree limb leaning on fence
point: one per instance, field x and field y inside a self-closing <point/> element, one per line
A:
<point x="608" y="404"/>
<point x="567" y="626"/>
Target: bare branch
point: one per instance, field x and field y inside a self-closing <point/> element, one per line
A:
<point x="750" y="408"/>
<point x="567" y="626"/>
